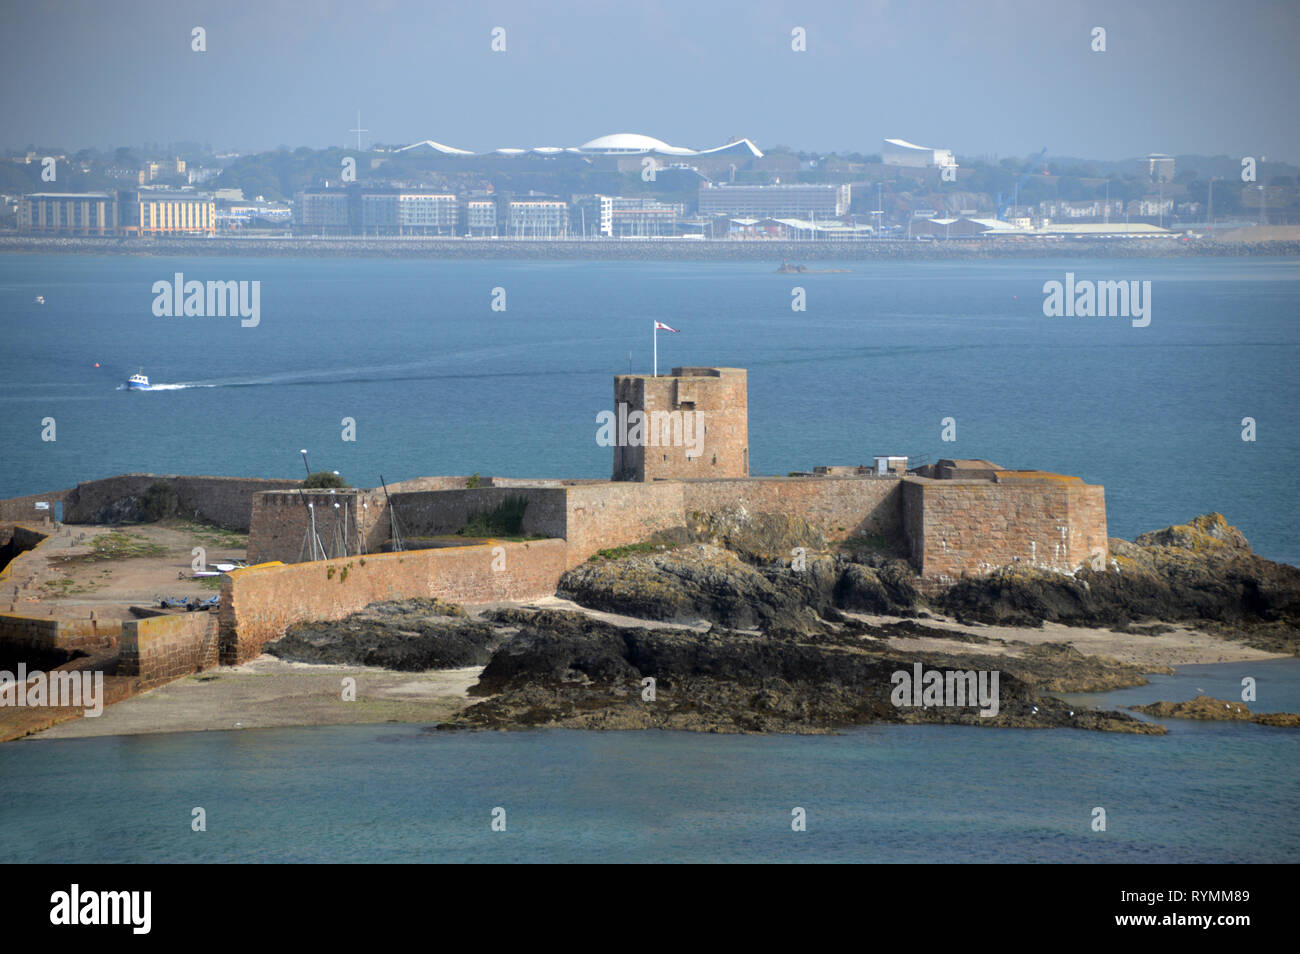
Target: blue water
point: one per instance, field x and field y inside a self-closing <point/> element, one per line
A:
<point x="1206" y="792"/>
<point x="439" y="383"/>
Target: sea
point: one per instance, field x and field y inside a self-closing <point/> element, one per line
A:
<point x="1218" y="792"/>
<point x="412" y="356"/>
<point x="500" y="368"/>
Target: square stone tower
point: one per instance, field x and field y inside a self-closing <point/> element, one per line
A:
<point x="691" y="423"/>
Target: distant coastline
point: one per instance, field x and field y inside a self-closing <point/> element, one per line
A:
<point x="656" y="250"/>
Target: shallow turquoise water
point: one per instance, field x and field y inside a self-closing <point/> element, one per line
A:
<point x="1213" y="792"/>
<point x="438" y="383"/>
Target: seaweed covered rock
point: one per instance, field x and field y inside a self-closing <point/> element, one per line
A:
<point x="567" y="669"/>
<point x="1201" y="572"/>
<point x="1202" y="707"/>
<point x="703" y="582"/>
<point x="406" y="636"/>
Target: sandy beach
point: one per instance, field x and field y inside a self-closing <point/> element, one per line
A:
<point x="270" y="692"/>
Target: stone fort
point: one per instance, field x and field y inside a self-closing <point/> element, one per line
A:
<point x="951" y="518"/>
<point x="689" y="455"/>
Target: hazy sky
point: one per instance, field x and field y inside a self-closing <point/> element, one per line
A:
<point x="1004" y="77"/>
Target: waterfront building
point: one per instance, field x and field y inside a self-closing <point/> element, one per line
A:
<point x="772" y="201"/>
<point x="322" y="212"/>
<point x="479" y="217"/>
<point x="426" y="213"/>
<point x="616" y="216"/>
<point x="537" y="218"/>
<point x="68" y="213"/>
<point x="143" y="213"/>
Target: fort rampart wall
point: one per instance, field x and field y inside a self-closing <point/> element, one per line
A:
<point x="958" y="527"/>
<point x="260" y="602"/>
<point x="162" y="648"/>
<point x="225" y="501"/>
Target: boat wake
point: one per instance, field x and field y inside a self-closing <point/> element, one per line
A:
<point x="167" y="387"/>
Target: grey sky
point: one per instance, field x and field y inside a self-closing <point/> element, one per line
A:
<point x="1002" y="77"/>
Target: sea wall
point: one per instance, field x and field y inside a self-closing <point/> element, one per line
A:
<point x="20" y="631"/>
<point x="162" y="648"/>
<point x="260" y="602"/>
<point x="1034" y="247"/>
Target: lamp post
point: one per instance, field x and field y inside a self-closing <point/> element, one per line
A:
<point x="303" y="452"/>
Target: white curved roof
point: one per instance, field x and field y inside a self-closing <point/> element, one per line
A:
<point x="437" y="147"/>
<point x="626" y="142"/>
<point x="614" y="144"/>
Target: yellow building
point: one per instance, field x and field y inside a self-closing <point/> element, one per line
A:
<point x="145" y="213"/>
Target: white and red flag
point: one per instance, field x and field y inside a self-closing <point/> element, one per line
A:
<point x="660" y="326"/>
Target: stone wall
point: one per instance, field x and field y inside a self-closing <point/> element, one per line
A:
<point x="225" y="501"/>
<point x="280" y="520"/>
<point x="840" y="507"/>
<point x="601" y="516"/>
<point x="46" y="633"/>
<point x="446" y="511"/>
<point x="946" y="527"/>
<point x="973" y="527"/>
<point x="16" y="542"/>
<point x="27" y="625"/>
<point x="23" y="509"/>
<point x="260" y="602"/>
<point x="162" y="648"/>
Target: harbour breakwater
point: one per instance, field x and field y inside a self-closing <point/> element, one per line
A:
<point x="659" y="250"/>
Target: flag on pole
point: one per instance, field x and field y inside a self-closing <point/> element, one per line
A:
<point x="660" y="326"/>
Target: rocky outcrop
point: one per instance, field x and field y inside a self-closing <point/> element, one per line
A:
<point x="761" y="538"/>
<point x="1217" y="710"/>
<point x="1281" y="720"/>
<point x="1202" y="573"/>
<point x="704" y="582"/>
<point x="567" y="669"/>
<point x="788" y="648"/>
<point x="406" y="636"/>
<point x="1202" y="707"/>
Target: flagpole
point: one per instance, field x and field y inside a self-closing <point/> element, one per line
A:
<point x="655" y="335"/>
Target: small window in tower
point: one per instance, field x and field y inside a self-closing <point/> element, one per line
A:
<point x="715" y="460"/>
